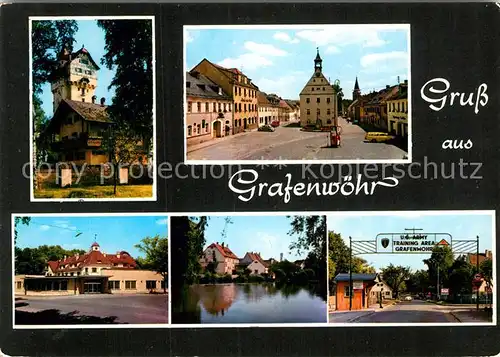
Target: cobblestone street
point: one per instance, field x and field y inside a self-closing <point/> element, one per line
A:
<point x="289" y="143"/>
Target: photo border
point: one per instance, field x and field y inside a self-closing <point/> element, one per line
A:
<point x="402" y="26"/>
<point x="154" y="192"/>
<point x="169" y="325"/>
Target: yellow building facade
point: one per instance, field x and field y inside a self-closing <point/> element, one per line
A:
<point x="240" y="88"/>
<point x="318" y="106"/>
<point x="397" y="113"/>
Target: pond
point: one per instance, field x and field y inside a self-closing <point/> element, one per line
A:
<point x="249" y="303"/>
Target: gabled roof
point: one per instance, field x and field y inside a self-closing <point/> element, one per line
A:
<point x="93" y="257"/>
<point x="83" y="50"/>
<point x="262" y="99"/>
<point x="355" y="277"/>
<point x="202" y="87"/>
<point x="256" y="257"/>
<point x="225" y="251"/>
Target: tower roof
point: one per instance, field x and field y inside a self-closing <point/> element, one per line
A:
<point x="318" y="57"/>
<point x="95" y="244"/>
<point x="356" y="85"/>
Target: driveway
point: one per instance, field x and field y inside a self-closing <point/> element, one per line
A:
<point x="129" y="309"/>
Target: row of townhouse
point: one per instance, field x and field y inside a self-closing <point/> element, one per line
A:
<point x="386" y="109"/>
<point x="224" y="101"/>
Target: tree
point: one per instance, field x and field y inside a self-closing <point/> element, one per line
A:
<point x="34" y="260"/>
<point x="338" y="253"/>
<point x="187" y="248"/>
<point x="418" y="282"/>
<point x="395" y="276"/>
<point x="486" y="269"/>
<point x="123" y="147"/>
<point x="156" y="251"/>
<point x="311" y="232"/>
<point x="360" y="265"/>
<point x="17" y="222"/>
<point x="48" y="38"/>
<point x="340" y="95"/>
<point x="460" y="276"/>
<point x="439" y="264"/>
<point x="129" y="50"/>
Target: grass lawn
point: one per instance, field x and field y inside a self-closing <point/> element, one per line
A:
<point x="128" y="191"/>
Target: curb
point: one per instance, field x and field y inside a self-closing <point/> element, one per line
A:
<point x="455" y="316"/>
<point x="357" y="318"/>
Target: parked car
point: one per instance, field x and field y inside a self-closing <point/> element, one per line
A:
<point x="408" y="298"/>
<point x="267" y="128"/>
<point x="378" y="137"/>
<point x="275" y="123"/>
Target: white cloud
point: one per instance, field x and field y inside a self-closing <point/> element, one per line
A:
<point x="162" y="221"/>
<point x="189" y="37"/>
<point x="364" y="36"/>
<point x="246" y="61"/>
<point x="264" y="49"/>
<point x="284" y="86"/>
<point x="256" y="56"/>
<point x="283" y="36"/>
<point x="270" y="246"/>
<point x="332" y="49"/>
<point x="44" y="228"/>
<point x="393" y="60"/>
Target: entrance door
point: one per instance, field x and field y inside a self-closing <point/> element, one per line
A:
<point x="217" y="129"/>
<point x="244" y="123"/>
<point x="363" y="298"/>
<point x="92" y="288"/>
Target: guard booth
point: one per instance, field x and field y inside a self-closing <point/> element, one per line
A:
<point x="361" y="285"/>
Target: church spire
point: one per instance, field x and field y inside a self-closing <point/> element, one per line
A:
<point x="318" y="63"/>
<point x="356" y="85"/>
<point x="356" y="93"/>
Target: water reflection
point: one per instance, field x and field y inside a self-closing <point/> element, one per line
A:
<point x="249" y="303"/>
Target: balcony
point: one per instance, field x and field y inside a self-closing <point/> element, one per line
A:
<point x="81" y="141"/>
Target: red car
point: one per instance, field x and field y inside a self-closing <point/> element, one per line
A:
<point x="275" y="124"/>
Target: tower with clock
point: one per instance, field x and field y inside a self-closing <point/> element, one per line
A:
<point x="318" y="106"/>
<point x="77" y="77"/>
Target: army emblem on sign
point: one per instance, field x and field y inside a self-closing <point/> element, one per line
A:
<point x="385" y="242"/>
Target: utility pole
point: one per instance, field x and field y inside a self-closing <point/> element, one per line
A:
<point x="413" y="230"/>
<point x="350" y="273"/>
<point x="438" y="294"/>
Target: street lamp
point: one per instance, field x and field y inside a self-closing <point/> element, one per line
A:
<point x="380" y="300"/>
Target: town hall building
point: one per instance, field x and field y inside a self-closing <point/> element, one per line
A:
<point x="318" y="104"/>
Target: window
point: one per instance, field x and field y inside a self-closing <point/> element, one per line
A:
<point x="78" y="70"/>
<point x="328" y="100"/>
<point x="198" y="107"/>
<point x="225" y="107"/>
<point x="403" y="107"/>
<point x="346" y="291"/>
<point x="83" y="100"/>
<point x="312" y="89"/>
<point x="83" y="91"/>
<point x="84" y="61"/>
<point x="215" y="108"/>
<point x="94" y="270"/>
<point x="323" y="88"/>
<point x="387" y="293"/>
<point x="206" y="108"/>
<point x="398" y="107"/>
<point x="130" y="284"/>
<point x="88" y="72"/>
<point x="189" y="107"/>
<point x="308" y="111"/>
<point x="245" y="107"/>
<point x="19" y="284"/>
<point x="318" y="111"/>
<point x="150" y="284"/>
<point x="114" y="285"/>
<point x="64" y="285"/>
<point x="239" y="92"/>
<point x="244" y="92"/>
<point x="220" y="107"/>
<point x="328" y="112"/>
<point x="318" y="100"/>
<point x="256" y="271"/>
<point x="308" y="100"/>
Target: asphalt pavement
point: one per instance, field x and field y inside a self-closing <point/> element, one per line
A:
<point x="131" y="309"/>
<point x="289" y="143"/>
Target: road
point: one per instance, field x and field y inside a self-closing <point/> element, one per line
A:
<point x="131" y="309"/>
<point x="292" y="144"/>
<point x="411" y="311"/>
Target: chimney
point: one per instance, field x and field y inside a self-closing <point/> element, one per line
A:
<point x="93" y="99"/>
<point x="398" y="80"/>
<point x="102" y="101"/>
<point x="222" y="244"/>
<point x="406" y="82"/>
<point x="64" y="258"/>
<point x="387" y="86"/>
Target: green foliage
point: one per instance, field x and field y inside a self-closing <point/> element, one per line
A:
<point x="441" y="259"/>
<point x="17" y="222"/>
<point x="460" y="276"/>
<point x="187" y="248"/>
<point x="129" y="50"/>
<point x="34" y="260"/>
<point x="395" y="276"/>
<point x="486" y="269"/>
<point x="311" y="232"/>
<point x="418" y="282"/>
<point x="211" y="267"/>
<point x="156" y="251"/>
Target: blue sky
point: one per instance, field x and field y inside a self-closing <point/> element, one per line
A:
<point x="92" y="37"/>
<point x="460" y="226"/>
<point x="267" y="235"/>
<point x="113" y="233"/>
<point x="281" y="60"/>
